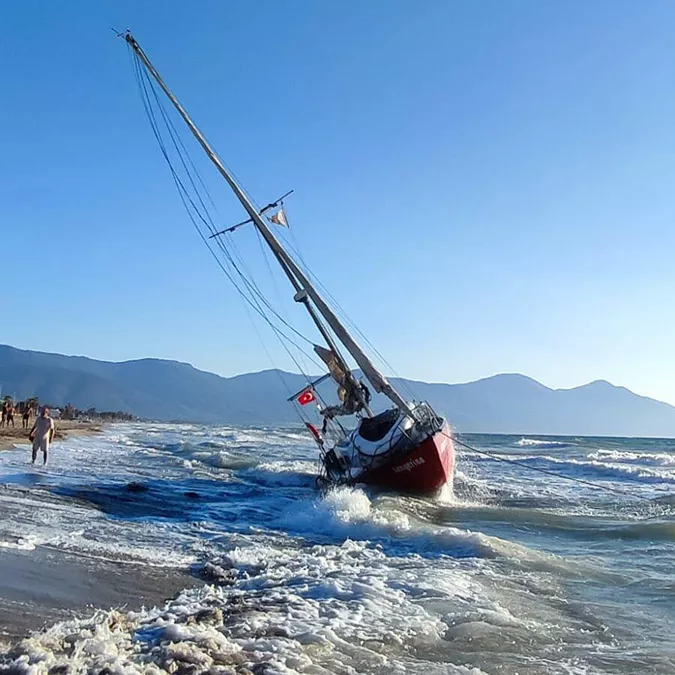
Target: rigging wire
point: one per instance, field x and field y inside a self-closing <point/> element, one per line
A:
<point x="265" y="256"/>
<point x="554" y="474"/>
<point x="249" y="303"/>
<point x="252" y="302"/>
<point x="301" y="351"/>
<point x="192" y="210"/>
<point x="403" y="383"/>
<point x="250" y="293"/>
<point x="247" y="280"/>
<point x="252" y="287"/>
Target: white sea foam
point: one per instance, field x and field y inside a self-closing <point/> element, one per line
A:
<point x="616" y="469"/>
<point x="20" y="543"/>
<point x="320" y="609"/>
<point x="540" y="443"/>
<point x="81" y="528"/>
<point x="221" y="459"/>
<point x="446" y="495"/>
<point x="290" y="473"/>
<point x="597" y="466"/>
<point x="350" y="582"/>
<point x="337" y="609"/>
<point x="349" y="513"/>
<point x="655" y="458"/>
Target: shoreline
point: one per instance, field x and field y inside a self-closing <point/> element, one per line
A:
<point x="48" y="585"/>
<point x="10" y="437"/>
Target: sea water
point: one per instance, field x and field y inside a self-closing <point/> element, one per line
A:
<point x="509" y="571"/>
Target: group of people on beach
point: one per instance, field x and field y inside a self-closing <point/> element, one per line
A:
<point x="8" y="411"/>
<point x="42" y="433"/>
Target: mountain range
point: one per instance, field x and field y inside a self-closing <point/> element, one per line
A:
<point x="173" y="391"/>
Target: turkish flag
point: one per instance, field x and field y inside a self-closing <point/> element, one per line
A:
<point x="306" y="397"/>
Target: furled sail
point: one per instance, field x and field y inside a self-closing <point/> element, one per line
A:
<point x="353" y="395"/>
<point x="335" y="369"/>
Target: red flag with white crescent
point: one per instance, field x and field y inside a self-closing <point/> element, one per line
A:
<point x="306" y="397"/>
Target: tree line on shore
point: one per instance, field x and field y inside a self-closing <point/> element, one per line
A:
<point x="69" y="411"/>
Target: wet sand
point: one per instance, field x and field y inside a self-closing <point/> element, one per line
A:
<point x="43" y="586"/>
<point x="12" y="436"/>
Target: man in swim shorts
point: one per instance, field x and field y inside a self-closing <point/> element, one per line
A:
<point x="42" y="434"/>
<point x="10" y="413"/>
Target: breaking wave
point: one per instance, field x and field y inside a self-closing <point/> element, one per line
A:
<point x="539" y="443"/>
<point x="284" y="474"/>
<point x="352" y="580"/>
<point x="613" y="470"/>
<point x="651" y="458"/>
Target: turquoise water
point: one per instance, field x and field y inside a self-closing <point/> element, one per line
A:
<point x="513" y="571"/>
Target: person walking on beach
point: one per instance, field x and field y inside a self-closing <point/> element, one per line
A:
<point x="42" y="434"/>
<point x="4" y="414"/>
<point x="25" y="419"/>
<point x="10" y="414"/>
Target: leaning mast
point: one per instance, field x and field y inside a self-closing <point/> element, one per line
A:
<point x="303" y="286"/>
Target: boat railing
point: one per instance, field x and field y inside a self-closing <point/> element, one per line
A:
<point x="427" y="417"/>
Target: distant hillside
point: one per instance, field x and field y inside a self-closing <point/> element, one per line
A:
<point x="169" y="390"/>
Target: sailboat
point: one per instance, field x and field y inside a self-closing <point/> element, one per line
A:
<point x="408" y="447"/>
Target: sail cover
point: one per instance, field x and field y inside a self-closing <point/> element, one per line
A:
<point x="338" y="373"/>
<point x="350" y="392"/>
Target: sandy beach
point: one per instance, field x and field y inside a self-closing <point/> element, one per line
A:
<point x="11" y="436"/>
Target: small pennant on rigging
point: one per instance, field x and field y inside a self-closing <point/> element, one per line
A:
<point x="306" y="397"/>
<point x="279" y="218"/>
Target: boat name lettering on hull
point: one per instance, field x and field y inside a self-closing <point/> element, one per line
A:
<point x="410" y="465"/>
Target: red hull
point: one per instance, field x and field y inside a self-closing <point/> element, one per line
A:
<point x="426" y="469"/>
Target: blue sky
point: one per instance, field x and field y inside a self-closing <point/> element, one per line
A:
<point x="485" y="187"/>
